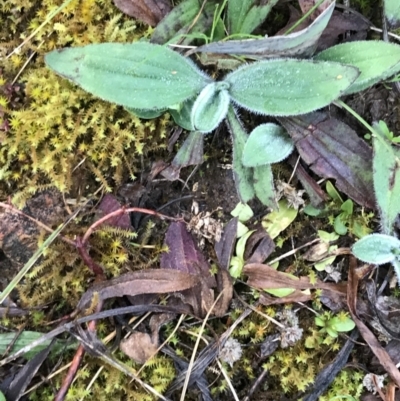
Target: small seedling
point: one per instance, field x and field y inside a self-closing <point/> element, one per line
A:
<point x="330" y="326"/>
<point x="341" y="214"/>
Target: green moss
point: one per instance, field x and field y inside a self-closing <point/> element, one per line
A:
<point x="60" y="133"/>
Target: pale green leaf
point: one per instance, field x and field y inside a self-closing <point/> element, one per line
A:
<point x="264" y="186"/>
<point x="243" y="175"/>
<point x="182" y="115"/>
<point x="282" y="87"/>
<point x="297" y="44"/>
<point x="210" y="107"/>
<point x="376" y="61"/>
<point x="386" y="174"/>
<point x="278" y="220"/>
<point x="327" y="237"/>
<point x="281" y="292"/>
<point x="320" y="266"/>
<point x="146" y="114"/>
<point x="342" y="324"/>
<point x="377" y="249"/>
<point x="243" y="212"/>
<point x="136" y="75"/>
<point x="392" y="12"/>
<point x="268" y="143"/>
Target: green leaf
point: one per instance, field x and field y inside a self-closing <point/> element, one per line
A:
<point x="236" y="266"/>
<point x="386" y="173"/>
<point x="241" y="244"/>
<point x="376" y="248"/>
<point x="210" y="107"/>
<point x="320" y="266"/>
<point x="264" y="186"/>
<point x="332" y="332"/>
<point x="243" y="212"/>
<point x="376" y="61"/>
<point x="320" y="321"/>
<point x="342" y="324"/>
<point x="182" y="115"/>
<point x="327" y="237"/>
<point x="347" y="207"/>
<point x="25" y="338"/>
<point x="244" y="16"/>
<point x="281" y="292"/>
<point x="146" y="114"/>
<point x="332" y="192"/>
<point x="283" y="87"/>
<point x="299" y="44"/>
<point x="278" y="220"/>
<point x="243" y="176"/>
<point x="268" y="143"/>
<point x="340" y="224"/>
<point x="136" y="75"/>
<point x="392" y="12"/>
<point x="2" y="398"/>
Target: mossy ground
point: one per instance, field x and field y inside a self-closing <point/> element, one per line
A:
<point x="55" y="135"/>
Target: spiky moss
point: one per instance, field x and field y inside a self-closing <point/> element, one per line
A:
<point x="63" y="133"/>
<point x="110" y="383"/>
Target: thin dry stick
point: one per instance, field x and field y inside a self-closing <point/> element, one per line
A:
<point x="294" y="169"/>
<point x="228" y="380"/>
<point x="80" y="352"/>
<point x="196" y="346"/>
<point x="293" y="251"/>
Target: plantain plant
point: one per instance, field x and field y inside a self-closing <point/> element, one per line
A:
<point x="149" y="79"/>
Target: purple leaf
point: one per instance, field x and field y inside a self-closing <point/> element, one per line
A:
<point x="183" y="254"/>
<point x="110" y="204"/>
<point x="333" y="150"/>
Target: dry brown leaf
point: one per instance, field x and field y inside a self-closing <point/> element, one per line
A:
<point x="139" y="347"/>
<point x="264" y="276"/>
<point x="150" y="281"/>
<point x="376" y="348"/>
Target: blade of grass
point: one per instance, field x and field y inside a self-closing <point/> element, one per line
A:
<point x="29" y="264"/>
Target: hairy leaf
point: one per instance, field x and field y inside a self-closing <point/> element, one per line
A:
<point x="392" y="12"/>
<point x="138" y="75"/>
<point x="333" y="150"/>
<point x="181" y="115"/>
<point x="268" y="143"/>
<point x="283" y="87"/>
<point x="146" y="114"/>
<point x="244" y="16"/>
<point x="242" y="174"/>
<point x="210" y="107"/>
<point x="386" y="167"/>
<point x="264" y="186"/>
<point x="376" y="60"/>
<point x="377" y="249"/>
<point x="302" y="43"/>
